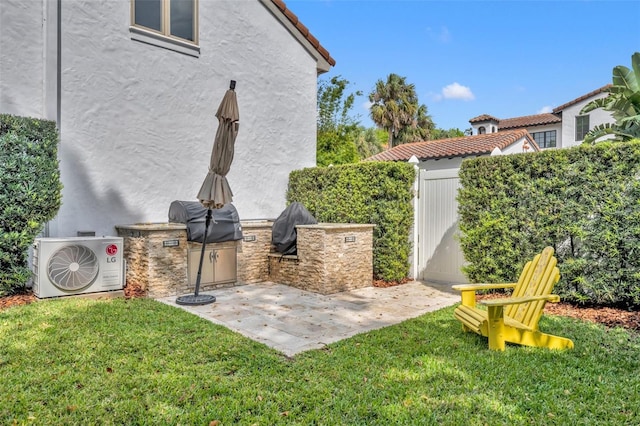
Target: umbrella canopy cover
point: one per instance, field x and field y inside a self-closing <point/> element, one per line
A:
<point x="215" y="191"/>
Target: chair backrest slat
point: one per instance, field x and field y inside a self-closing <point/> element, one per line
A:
<point x="538" y="278"/>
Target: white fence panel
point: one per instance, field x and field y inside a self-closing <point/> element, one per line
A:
<point x="439" y="255"/>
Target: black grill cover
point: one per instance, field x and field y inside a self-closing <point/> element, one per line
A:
<point x="283" y="234"/>
<point x="224" y="226"/>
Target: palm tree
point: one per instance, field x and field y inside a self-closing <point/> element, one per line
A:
<point x="420" y="129"/>
<point x="394" y="105"/>
<point x="623" y="102"/>
<point x="370" y="141"/>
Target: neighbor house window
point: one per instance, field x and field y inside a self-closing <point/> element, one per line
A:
<point x="582" y="126"/>
<point x="171" y="18"/>
<point x="481" y="130"/>
<point x="545" y="139"/>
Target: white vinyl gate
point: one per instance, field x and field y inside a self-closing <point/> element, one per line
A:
<point x="439" y="255"/>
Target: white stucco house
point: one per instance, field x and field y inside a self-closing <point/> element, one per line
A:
<point x="437" y="256"/>
<point x="564" y="127"/>
<point x="134" y="86"/>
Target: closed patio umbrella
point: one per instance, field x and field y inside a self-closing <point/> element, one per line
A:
<point x="215" y="191"/>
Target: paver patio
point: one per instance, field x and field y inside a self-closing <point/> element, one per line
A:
<point x="292" y="320"/>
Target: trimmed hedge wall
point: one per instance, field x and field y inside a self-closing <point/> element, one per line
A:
<point x="370" y="192"/>
<point x="583" y="201"/>
<point x="30" y="192"/>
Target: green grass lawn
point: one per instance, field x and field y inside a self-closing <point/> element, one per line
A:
<point x="83" y="362"/>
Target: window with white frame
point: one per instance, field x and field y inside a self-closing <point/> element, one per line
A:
<point x="482" y="130"/>
<point x="176" y="19"/>
<point x="582" y="126"/>
<point x="545" y="139"/>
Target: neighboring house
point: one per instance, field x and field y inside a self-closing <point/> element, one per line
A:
<point x="562" y="128"/>
<point x="436" y="252"/>
<point x="134" y="86"/>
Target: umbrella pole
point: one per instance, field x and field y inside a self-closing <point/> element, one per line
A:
<point x="196" y="298"/>
<point x="204" y="244"/>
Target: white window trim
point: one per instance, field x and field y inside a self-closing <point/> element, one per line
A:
<point x="160" y="40"/>
<point x="165" y="41"/>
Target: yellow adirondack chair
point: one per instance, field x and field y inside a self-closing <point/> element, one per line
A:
<point x="515" y="319"/>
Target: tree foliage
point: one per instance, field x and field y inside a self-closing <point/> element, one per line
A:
<point x="337" y="130"/>
<point x="623" y="102"/>
<point x="370" y="141"/>
<point x="395" y="108"/>
<point x="446" y="134"/>
<point x="419" y="130"/>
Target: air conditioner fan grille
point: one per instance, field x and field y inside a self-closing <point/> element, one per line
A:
<point x="73" y="267"/>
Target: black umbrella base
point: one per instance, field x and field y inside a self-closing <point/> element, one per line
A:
<point x="194" y="300"/>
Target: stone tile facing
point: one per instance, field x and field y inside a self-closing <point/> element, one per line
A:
<point x="331" y="258"/>
<point x="253" y="257"/>
<point x="156" y="256"/>
<point x="293" y="320"/>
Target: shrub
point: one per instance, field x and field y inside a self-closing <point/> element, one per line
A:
<point x="584" y="201"/>
<point x="369" y="192"/>
<point x="30" y="192"/>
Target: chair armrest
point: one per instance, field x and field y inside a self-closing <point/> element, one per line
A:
<point x="468" y="291"/>
<point x="476" y="287"/>
<point x="554" y="298"/>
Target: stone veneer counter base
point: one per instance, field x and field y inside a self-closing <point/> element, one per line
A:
<point x="331" y="258"/>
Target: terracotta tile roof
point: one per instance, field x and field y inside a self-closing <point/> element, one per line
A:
<point x="518" y="122"/>
<point x="581" y="98"/>
<point x="528" y="121"/>
<point x="454" y="147"/>
<point x="483" y="117"/>
<point x="304" y="31"/>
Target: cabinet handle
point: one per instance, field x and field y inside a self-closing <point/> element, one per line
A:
<point x="211" y="256"/>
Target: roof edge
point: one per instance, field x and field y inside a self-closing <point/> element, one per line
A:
<point x="291" y="22"/>
<point x="484" y="117"/>
<point x="507" y="138"/>
<point x="581" y="98"/>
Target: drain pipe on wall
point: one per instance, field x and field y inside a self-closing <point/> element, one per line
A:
<point x="52" y="74"/>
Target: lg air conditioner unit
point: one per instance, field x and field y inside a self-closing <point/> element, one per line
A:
<point x="77" y="265"/>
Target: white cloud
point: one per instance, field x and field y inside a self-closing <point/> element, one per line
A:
<point x="456" y="91"/>
<point x="443" y="35"/>
<point x="367" y="105"/>
<point x="545" y="109"/>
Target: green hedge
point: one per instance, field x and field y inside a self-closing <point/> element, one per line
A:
<point x="583" y="201"/>
<point x="30" y="192"/>
<point x="370" y="192"/>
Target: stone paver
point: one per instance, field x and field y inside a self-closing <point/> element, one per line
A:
<point x="292" y="320"/>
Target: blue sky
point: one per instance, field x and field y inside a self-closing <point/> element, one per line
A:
<point x="466" y="58"/>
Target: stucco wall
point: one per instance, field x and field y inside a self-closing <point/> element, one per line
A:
<point x="596" y="117"/>
<point x="516" y="147"/>
<point x="137" y="121"/>
<point x="21" y="50"/>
